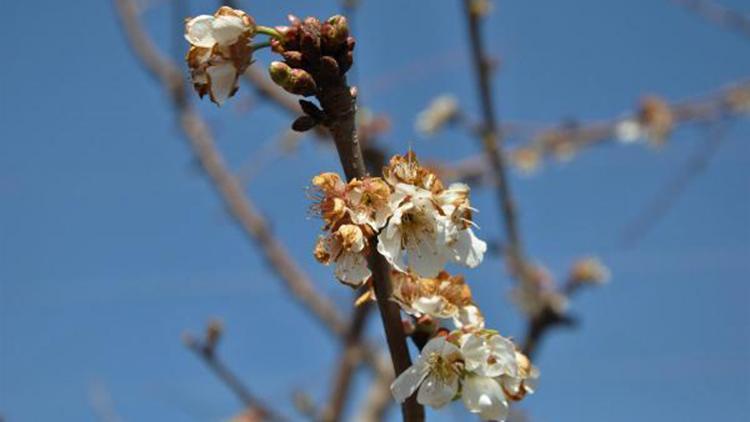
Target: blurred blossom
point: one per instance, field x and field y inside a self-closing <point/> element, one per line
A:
<point x="628" y="131"/>
<point x="441" y="111"/>
<point x="526" y="160"/>
<point x="589" y="270"/>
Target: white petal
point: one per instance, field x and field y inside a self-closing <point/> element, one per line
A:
<point x="351" y="268"/>
<point x="407" y="383"/>
<point x="436" y="393"/>
<point x="226" y="29"/>
<point x="475" y="352"/>
<point x="435" y="345"/>
<point x="469" y="250"/>
<point x="389" y="245"/>
<point x="223" y="79"/>
<point x="484" y="396"/>
<point x="469" y="317"/>
<point x="428" y="305"/>
<point x="504" y="353"/>
<point x="198" y="31"/>
<point x="425" y="257"/>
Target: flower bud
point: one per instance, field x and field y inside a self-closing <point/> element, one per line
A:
<point x="280" y="73"/>
<point x="302" y="83"/>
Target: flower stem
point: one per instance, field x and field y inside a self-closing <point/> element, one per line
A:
<point x="260" y="45"/>
<point x="271" y="32"/>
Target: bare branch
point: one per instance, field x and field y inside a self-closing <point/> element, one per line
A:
<point x="206" y="351"/>
<point x="720" y="15"/>
<point x="671" y="191"/>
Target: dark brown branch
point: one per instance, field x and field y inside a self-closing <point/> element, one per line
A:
<point x="338" y="101"/>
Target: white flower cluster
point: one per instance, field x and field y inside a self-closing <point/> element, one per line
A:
<point x="419" y="224"/>
<point x="219" y="52"/>
<point x="481" y="367"/>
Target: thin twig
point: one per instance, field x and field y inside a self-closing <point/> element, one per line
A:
<point x="492" y="139"/>
<point x="720" y="15"/>
<point x="673" y="189"/>
<point x="726" y="102"/>
<point x="207" y="355"/>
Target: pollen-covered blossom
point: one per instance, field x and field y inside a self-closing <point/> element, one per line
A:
<point x="430" y="225"/>
<point x="435" y="373"/>
<point x="441" y="297"/>
<point x="219" y="52"/>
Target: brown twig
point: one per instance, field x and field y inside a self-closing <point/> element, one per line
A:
<point x="207" y="354"/>
<point x="722" y="16"/>
<point x="671" y="191"/>
<point x="727" y="102"/>
<point x="491" y="137"/>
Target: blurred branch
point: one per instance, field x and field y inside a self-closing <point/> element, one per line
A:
<point x="378" y="399"/>
<point x="564" y="139"/>
<point x="491" y="137"/>
<point x="666" y="197"/>
<point x="206" y="351"/>
<point x="719" y="15"/>
<point x="240" y="206"/>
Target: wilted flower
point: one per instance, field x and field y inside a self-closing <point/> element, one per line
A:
<point x="435" y="373"/>
<point x="347" y="247"/>
<point x="441" y="111"/>
<point x="369" y="202"/>
<point x="524" y="382"/>
<point x="589" y="270"/>
<point x="330" y="199"/>
<point x="406" y="169"/>
<point x="441" y="297"/>
<point x="219" y="52"/>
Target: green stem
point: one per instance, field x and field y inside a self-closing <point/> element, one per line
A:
<point x="260" y="29"/>
<point x="258" y="46"/>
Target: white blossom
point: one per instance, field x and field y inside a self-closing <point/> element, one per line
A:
<point x="628" y="131"/>
<point x="414" y="230"/>
<point x="490" y="355"/>
<point x="435" y="373"/>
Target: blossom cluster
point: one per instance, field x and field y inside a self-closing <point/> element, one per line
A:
<point x="420" y="225"/>
<point x="481" y="367"/>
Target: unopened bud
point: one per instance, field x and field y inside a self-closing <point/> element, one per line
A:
<point x="303" y="124"/>
<point x="280" y="73"/>
<point x="339" y="29"/>
<point x="301" y="83"/>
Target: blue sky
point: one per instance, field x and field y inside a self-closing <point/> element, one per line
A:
<point x="112" y="243"/>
